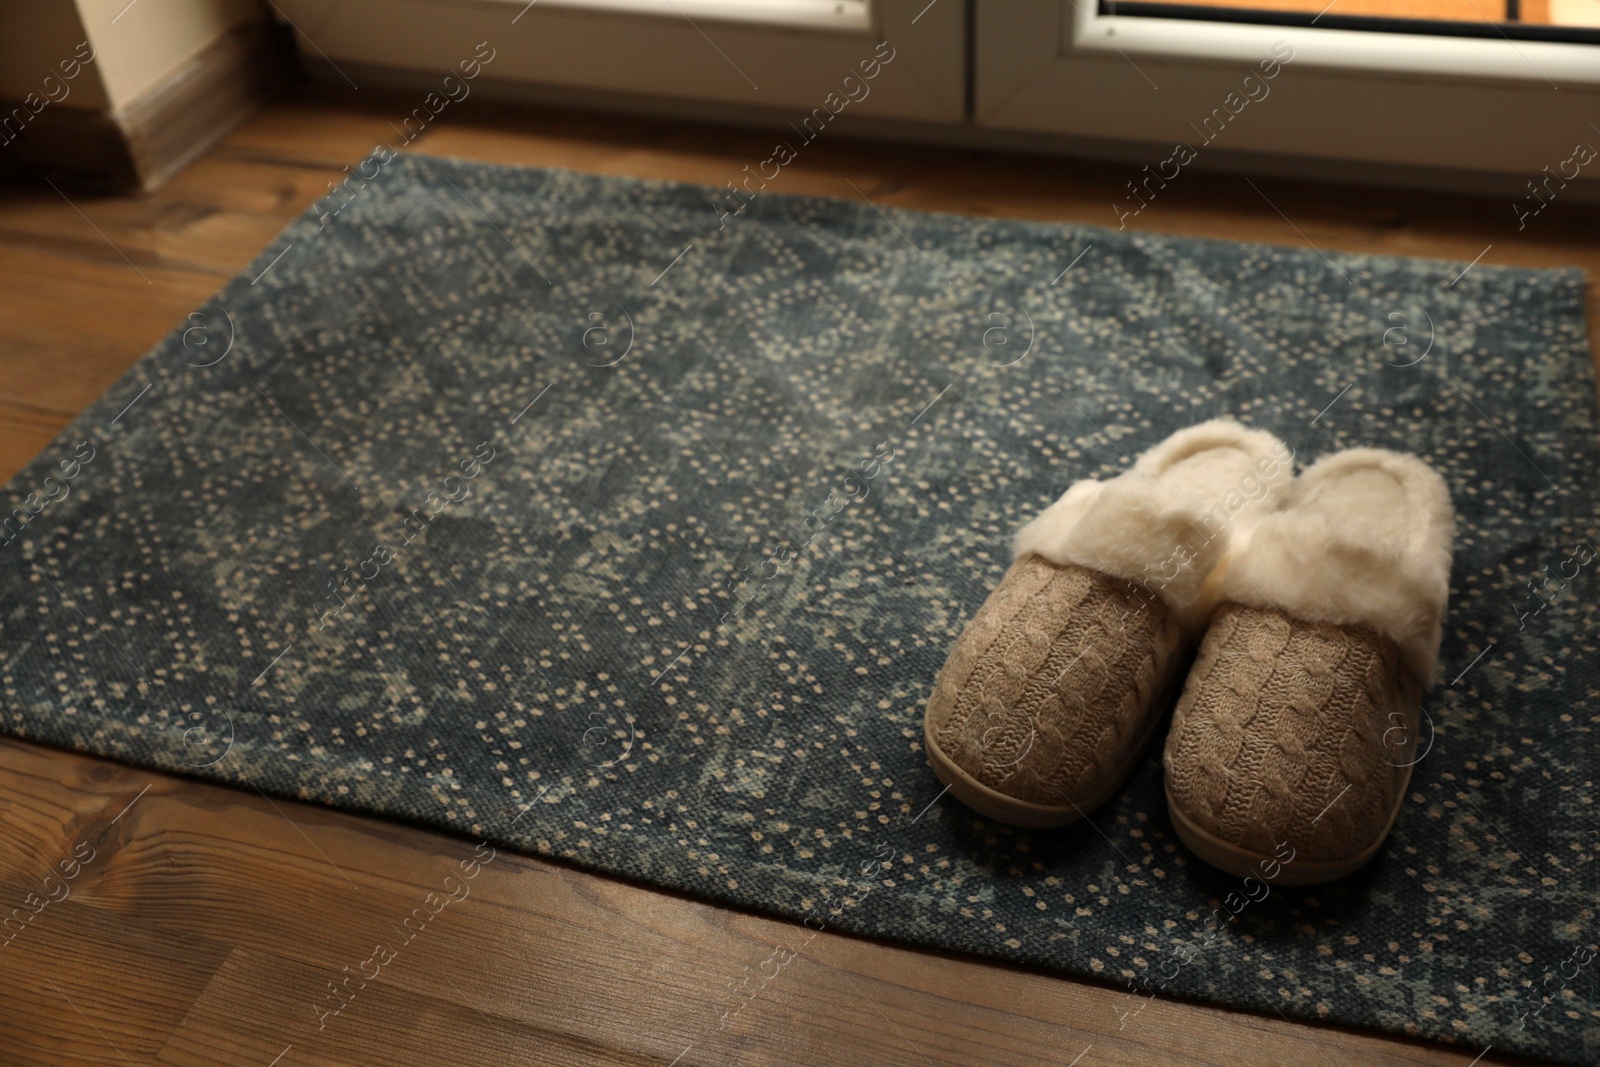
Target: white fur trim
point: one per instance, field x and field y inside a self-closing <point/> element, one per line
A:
<point x="1337" y="567"/>
<point x="1218" y="433"/>
<point x="1165" y="530"/>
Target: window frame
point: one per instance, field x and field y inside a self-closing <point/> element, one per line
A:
<point x="1421" y="106"/>
<point x="691" y="50"/>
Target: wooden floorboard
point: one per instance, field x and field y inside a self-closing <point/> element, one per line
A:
<point x="209" y="923"/>
<point x="206" y="925"/>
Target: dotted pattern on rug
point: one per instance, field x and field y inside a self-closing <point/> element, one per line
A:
<point x="533" y="505"/>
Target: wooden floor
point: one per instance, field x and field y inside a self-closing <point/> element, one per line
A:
<point x="205" y="925"/>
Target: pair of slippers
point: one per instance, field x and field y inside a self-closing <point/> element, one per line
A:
<point x="1295" y="619"/>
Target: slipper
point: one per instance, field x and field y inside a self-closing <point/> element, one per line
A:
<point x="1057" y="684"/>
<point x="1297" y="729"/>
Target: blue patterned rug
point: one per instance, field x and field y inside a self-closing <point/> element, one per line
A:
<point x="553" y="509"/>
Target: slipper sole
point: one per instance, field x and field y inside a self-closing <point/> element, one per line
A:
<point x="1007" y="809"/>
<point x="1243" y="862"/>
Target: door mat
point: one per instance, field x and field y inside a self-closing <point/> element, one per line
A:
<point x="585" y="515"/>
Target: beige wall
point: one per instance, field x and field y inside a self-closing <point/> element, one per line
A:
<point x="35" y="37"/>
<point x="136" y="46"/>
<point x="152" y="38"/>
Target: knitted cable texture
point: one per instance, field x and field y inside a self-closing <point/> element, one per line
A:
<point x="1295" y="732"/>
<point x="1053" y="680"/>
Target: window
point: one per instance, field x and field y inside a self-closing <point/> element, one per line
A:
<point x="1448" y="109"/>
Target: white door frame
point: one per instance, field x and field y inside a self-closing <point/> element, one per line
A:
<point x="790" y="54"/>
<point x="1399" y="100"/>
